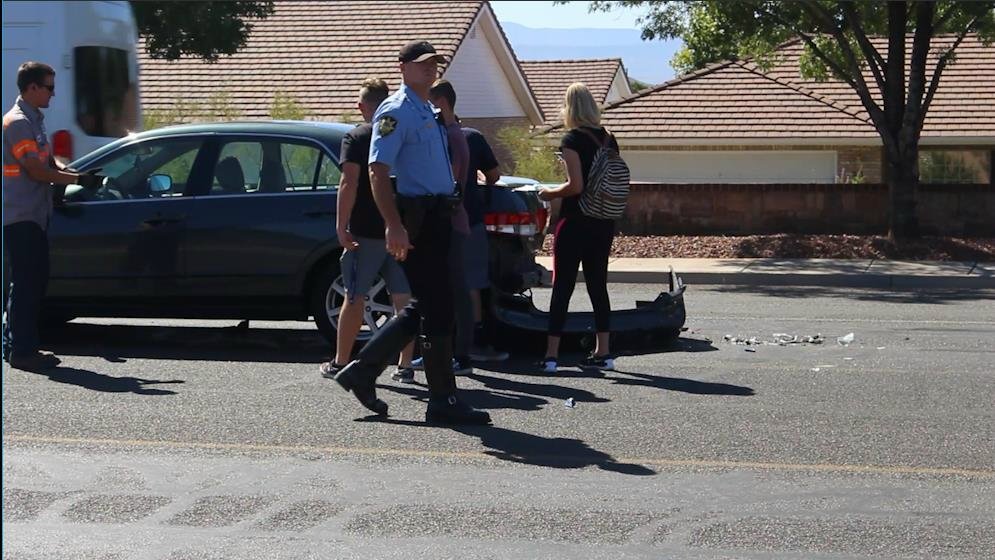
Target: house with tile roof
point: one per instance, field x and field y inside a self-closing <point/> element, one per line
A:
<point x="605" y="77"/>
<point x="735" y="122"/>
<point x="317" y="53"/>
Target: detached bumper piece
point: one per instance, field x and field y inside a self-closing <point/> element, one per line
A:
<point x="664" y="316"/>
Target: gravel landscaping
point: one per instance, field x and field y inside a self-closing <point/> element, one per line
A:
<point x="791" y="246"/>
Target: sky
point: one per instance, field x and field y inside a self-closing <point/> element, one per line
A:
<point x="539" y="30"/>
<point x="543" y="14"/>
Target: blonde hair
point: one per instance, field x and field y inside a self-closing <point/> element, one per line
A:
<point x="579" y="107"/>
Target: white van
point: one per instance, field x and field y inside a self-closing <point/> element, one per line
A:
<point x="91" y="47"/>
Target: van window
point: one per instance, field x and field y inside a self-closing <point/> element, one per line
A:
<point x="106" y="98"/>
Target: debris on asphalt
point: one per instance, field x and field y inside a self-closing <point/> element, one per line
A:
<point x="570" y="403"/>
<point x="845" y="340"/>
<point x="881" y="347"/>
<point x="778" y="339"/>
<point x="750" y="349"/>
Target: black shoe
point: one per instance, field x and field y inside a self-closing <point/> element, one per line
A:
<point x="38" y="361"/>
<point x="598" y="362"/>
<point x="329" y="369"/>
<point x="462" y="366"/>
<point x="452" y="411"/>
<point x="353" y="378"/>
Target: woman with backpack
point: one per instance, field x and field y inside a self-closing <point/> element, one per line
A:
<point x="586" y="228"/>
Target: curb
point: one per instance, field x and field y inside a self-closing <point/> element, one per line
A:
<point x="878" y="281"/>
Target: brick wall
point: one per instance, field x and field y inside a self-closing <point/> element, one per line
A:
<point x="489" y="127"/>
<point x="658" y="209"/>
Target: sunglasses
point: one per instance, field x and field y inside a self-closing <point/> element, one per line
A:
<point x="50" y="88"/>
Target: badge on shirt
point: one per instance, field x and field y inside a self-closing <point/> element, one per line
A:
<point x="387" y="125"/>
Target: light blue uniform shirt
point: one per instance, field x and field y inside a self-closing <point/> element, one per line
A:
<point x="408" y="139"/>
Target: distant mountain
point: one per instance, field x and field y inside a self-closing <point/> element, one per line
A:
<point x="647" y="61"/>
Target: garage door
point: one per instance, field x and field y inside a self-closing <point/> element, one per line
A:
<point x="732" y="167"/>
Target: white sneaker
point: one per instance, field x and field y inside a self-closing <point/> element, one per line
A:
<point x="547" y="365"/>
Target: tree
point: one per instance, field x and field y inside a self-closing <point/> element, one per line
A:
<point x="637" y="85"/>
<point x="203" y="29"/>
<point x="893" y="81"/>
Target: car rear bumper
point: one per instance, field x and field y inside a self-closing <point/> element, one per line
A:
<point x="665" y="314"/>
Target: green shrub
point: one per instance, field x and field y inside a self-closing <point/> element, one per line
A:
<point x="532" y="158"/>
<point x="285" y="107"/>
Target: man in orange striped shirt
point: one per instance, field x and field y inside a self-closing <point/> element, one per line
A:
<point x="29" y="172"/>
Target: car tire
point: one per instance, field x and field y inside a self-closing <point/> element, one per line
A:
<point x="327" y="295"/>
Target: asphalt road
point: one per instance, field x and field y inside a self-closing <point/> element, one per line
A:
<point x="185" y="440"/>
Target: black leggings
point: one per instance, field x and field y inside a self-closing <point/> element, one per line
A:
<point x="581" y="240"/>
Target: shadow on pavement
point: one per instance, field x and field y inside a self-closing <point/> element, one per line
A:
<point x="559" y="453"/>
<point x="504" y="393"/>
<point x="680" y="384"/>
<point x="107" y="384"/>
<point x="478" y="398"/>
<point x="934" y="296"/>
<point x="530" y="449"/>
<point x="115" y="343"/>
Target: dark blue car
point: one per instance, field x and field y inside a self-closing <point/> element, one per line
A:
<point x="227" y="220"/>
<point x="237" y="221"/>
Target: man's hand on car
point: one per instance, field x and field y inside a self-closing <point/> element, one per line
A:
<point x="90" y="180"/>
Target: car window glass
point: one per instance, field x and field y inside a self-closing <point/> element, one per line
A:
<point x="329" y="174"/>
<point x="265" y="166"/>
<point x="128" y="170"/>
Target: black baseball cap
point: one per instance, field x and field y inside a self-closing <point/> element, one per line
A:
<point x="419" y="51"/>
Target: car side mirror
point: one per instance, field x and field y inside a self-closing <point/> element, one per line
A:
<point x="159" y="184"/>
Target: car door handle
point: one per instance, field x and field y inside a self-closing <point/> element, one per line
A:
<point x="318" y="213"/>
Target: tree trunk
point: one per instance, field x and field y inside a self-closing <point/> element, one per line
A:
<point x="903" y="223"/>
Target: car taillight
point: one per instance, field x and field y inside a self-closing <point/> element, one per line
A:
<point x="515" y="223"/>
<point x="62" y="145"/>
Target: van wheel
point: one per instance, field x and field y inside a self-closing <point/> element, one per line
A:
<point x="327" y="295"/>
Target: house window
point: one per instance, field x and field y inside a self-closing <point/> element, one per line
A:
<point x="955" y="166"/>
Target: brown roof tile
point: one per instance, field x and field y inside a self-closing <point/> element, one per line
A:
<point x="967" y="87"/>
<point x="316" y="52"/>
<point x="738" y="100"/>
<point x="549" y="79"/>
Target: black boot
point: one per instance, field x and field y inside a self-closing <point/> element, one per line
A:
<point x="443" y="406"/>
<point x="360" y="375"/>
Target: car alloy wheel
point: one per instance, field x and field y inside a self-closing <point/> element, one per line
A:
<point x="376" y="306"/>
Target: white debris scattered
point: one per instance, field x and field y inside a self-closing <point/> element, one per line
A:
<point x="778" y="339"/>
<point x="881" y="347"/>
<point x="570" y="403"/>
<point x="845" y="340"/>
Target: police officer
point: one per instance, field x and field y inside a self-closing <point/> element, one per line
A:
<point x="409" y="143"/>
<point x="30" y="174"/>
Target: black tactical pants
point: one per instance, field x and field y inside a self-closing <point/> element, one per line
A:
<point x="429" y="225"/>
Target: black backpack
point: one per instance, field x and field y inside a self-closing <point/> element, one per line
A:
<point x="607" y="189"/>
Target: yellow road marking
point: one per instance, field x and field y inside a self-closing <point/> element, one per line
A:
<point x="698" y="463"/>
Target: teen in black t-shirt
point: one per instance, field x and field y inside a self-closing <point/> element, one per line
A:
<point x="365" y="220"/>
